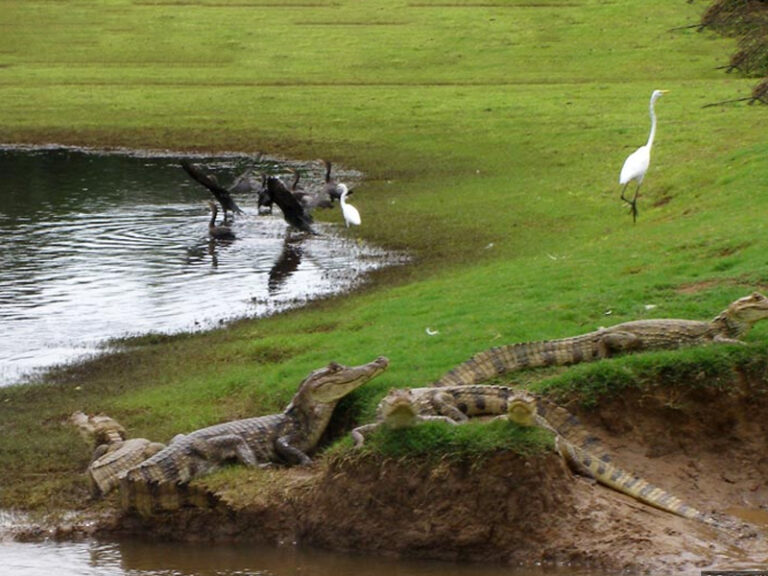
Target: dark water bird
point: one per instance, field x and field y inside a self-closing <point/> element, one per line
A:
<point x="264" y="201"/>
<point x="244" y="184"/>
<point x="296" y="177"/>
<point x="219" y="192"/>
<point x="293" y="211"/>
<point x="310" y="199"/>
<point x="636" y="164"/>
<point x="331" y="186"/>
<point x="222" y="231"/>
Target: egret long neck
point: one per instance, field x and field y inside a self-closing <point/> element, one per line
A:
<point x="652" y="135"/>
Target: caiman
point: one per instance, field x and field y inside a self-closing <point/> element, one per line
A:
<point x="640" y="335"/>
<point x="525" y="412"/>
<point x="285" y="438"/>
<point x="455" y="404"/>
<point x="402" y="407"/>
<point x="114" y="454"/>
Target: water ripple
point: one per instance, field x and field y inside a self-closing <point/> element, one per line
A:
<point x="98" y="255"/>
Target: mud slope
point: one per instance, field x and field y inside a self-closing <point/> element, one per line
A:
<point x="704" y="445"/>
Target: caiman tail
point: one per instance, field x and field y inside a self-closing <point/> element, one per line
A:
<point x="629" y="484"/>
<point x="502" y="359"/>
<point x="525" y="412"/>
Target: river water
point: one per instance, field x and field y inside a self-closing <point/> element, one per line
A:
<point x="97" y="246"/>
<point x="139" y="558"/>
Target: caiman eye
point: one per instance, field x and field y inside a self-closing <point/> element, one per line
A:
<point x="334" y="367"/>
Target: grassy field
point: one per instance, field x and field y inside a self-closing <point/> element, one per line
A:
<point x="491" y="135"/>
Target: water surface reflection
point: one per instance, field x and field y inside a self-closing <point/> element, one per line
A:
<point x="98" y="246"/>
<point x="136" y="558"/>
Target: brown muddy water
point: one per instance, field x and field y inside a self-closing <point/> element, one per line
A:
<point x="98" y="246"/>
<point x="139" y="558"/>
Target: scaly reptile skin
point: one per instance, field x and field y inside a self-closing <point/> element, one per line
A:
<point x="114" y="454"/>
<point x="403" y="407"/>
<point x="284" y="438"/>
<point x="524" y="411"/>
<point x="641" y="335"/>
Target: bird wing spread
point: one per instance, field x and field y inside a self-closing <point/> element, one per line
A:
<point x="221" y="194"/>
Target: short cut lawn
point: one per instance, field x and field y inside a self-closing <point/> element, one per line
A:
<point x="491" y="135"/>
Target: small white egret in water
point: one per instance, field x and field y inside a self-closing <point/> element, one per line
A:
<point x="351" y="215"/>
<point x="636" y="164"/>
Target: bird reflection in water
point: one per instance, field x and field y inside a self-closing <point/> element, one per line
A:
<point x="285" y="265"/>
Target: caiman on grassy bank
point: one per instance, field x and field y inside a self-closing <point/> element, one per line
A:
<point x="403" y="407"/>
<point x="286" y="438"/>
<point x="640" y="335"/>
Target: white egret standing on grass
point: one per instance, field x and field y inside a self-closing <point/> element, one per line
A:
<point x="636" y="164"/>
<point x="351" y="215"/>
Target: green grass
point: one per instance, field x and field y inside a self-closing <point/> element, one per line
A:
<point x="438" y="441"/>
<point x="491" y="135"/>
<point x="719" y="368"/>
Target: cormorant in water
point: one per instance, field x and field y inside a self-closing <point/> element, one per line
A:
<point x="222" y="232"/>
<point x="310" y="200"/>
<point x="293" y="211"/>
<point x="221" y="194"/>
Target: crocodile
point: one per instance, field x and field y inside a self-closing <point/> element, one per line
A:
<point x="284" y="438"/>
<point x="524" y="411"/>
<point x="114" y="454"/>
<point x="640" y="335"/>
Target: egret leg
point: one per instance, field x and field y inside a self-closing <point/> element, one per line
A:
<point x="632" y="203"/>
<point x="633" y="210"/>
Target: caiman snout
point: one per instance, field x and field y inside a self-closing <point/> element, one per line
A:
<point x="336" y="380"/>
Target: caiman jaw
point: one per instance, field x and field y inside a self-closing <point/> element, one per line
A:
<point x="397" y="409"/>
<point x="521" y="411"/>
<point x="336" y="381"/>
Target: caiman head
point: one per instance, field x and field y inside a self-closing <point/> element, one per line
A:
<point x="522" y="410"/>
<point x="397" y="409"/>
<point x="333" y="382"/>
<point x="743" y="313"/>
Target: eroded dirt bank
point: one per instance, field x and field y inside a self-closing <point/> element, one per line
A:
<point x="705" y="445"/>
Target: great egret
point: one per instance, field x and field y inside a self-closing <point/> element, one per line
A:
<point x="636" y="164"/>
<point x="221" y="194"/>
<point x="222" y="232"/>
<point x="351" y="215"/>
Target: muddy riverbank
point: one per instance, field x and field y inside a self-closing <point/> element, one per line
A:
<point x="704" y="444"/>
